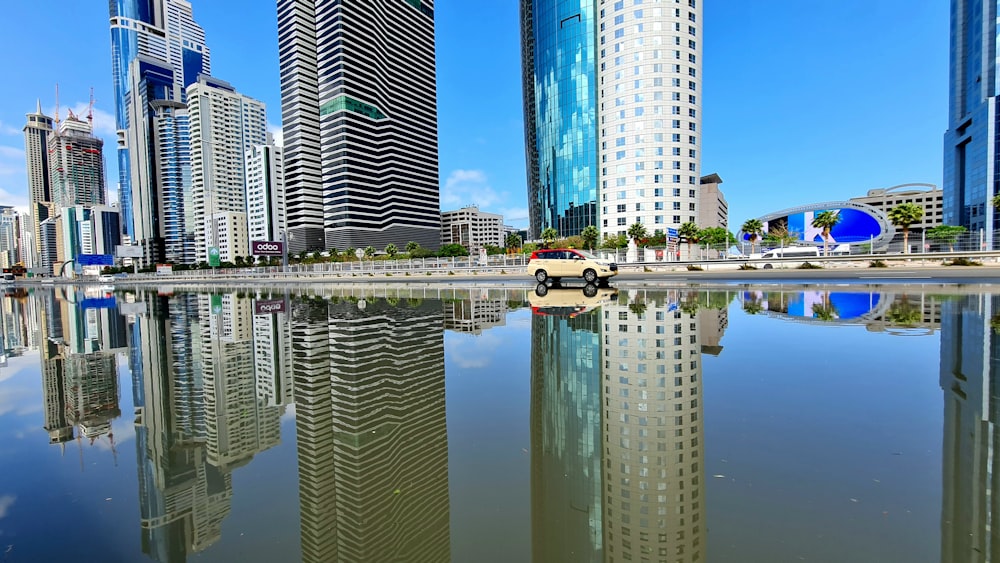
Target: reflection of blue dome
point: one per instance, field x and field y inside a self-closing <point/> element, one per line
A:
<point x="854" y="305"/>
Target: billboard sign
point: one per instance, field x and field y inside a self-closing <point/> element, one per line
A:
<point x="128" y="251"/>
<point x="266" y="248"/>
<point x="164" y="269"/>
<point x="98" y="303"/>
<point x="95" y="260"/>
<point x="268" y="306"/>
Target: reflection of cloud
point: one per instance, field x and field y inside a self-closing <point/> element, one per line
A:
<point x="6" y="502"/>
<point x="19" y="395"/>
<point x="289" y="413"/>
<point x="473" y="352"/>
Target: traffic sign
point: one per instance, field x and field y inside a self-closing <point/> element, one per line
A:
<point x="213" y="256"/>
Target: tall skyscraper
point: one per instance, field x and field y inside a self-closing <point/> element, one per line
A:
<point x="265" y="174"/>
<point x="157" y="50"/>
<point x="361" y="142"/>
<point x="76" y="165"/>
<point x="612" y="114"/>
<point x="970" y="144"/>
<point x="37" y="129"/>
<point x="224" y="125"/>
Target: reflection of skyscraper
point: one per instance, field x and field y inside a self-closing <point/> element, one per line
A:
<point x="970" y="362"/>
<point x="474" y="314"/>
<point x="272" y="358"/>
<point x="566" y="438"/>
<point x="371" y="430"/>
<point x="617" y="432"/>
<point x="653" y="439"/>
<point x="53" y="390"/>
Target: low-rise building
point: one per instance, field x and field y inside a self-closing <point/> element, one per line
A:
<point x="713" y="211"/>
<point x="927" y="196"/>
<point x="472" y="228"/>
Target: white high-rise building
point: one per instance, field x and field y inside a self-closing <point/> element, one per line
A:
<point x="224" y="125"/>
<point x="37" y="129"/>
<point x="613" y="113"/>
<point x="265" y="178"/>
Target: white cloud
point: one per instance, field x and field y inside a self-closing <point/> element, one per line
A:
<point x="473" y="352"/>
<point x="6" y="129"/>
<point x="6" y="502"/>
<point x="468" y="187"/>
<point x="276" y="131"/>
<point x="12" y="153"/>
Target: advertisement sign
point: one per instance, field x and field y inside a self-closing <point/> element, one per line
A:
<point x="213" y="256"/>
<point x="95" y="260"/>
<point x="268" y="306"/>
<point x="164" y="269"/>
<point x="266" y="248"/>
<point x="128" y="251"/>
<point x="132" y="308"/>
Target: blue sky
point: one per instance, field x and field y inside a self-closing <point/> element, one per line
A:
<point x="804" y="101"/>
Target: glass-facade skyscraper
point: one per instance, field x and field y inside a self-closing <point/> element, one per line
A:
<point x="970" y="145"/>
<point x="612" y="104"/>
<point x="157" y="50"/>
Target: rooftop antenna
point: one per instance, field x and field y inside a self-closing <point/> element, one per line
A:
<point x="57" y="104"/>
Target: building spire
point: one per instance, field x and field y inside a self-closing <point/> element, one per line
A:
<point x="38" y="106"/>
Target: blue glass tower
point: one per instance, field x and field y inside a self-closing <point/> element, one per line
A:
<point x="157" y="50"/>
<point x="559" y="62"/>
<point x="971" y="176"/>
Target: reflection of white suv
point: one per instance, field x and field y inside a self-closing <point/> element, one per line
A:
<point x="106" y="278"/>
<point x="569" y="302"/>
<point x="569" y="263"/>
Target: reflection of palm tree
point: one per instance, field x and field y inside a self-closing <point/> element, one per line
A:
<point x="638" y="307"/>
<point x="752" y="306"/>
<point x="826" y="221"/>
<point x="690" y="305"/>
<point x="825" y="311"/>
<point x="904" y="313"/>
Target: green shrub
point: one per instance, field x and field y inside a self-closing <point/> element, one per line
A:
<point x="747" y="267"/>
<point x="877" y="264"/>
<point x="962" y="261"/>
<point x="694" y="268"/>
<point x="809" y="266"/>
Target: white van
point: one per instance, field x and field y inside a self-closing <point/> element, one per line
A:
<point x="790" y="252"/>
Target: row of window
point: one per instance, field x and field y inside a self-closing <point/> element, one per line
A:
<point x="657" y="220"/>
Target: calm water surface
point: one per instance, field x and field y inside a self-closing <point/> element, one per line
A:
<point x="428" y="424"/>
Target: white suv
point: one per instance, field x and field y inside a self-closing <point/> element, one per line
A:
<point x="559" y="263"/>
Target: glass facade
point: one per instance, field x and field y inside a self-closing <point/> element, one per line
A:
<point x="970" y="145"/>
<point x="559" y="48"/>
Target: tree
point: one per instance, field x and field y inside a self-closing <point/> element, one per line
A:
<point x="549" y="236"/>
<point x="239" y="261"/>
<point x="513" y="240"/>
<point x="995" y="202"/>
<point x="391" y="250"/>
<point x="590" y="235"/>
<point x="780" y="235"/>
<point x="826" y="220"/>
<point x="370" y="252"/>
<point x="453" y="250"/>
<point x="690" y="233"/>
<point x="350" y="253"/>
<point x="637" y="231"/>
<point x="903" y="313"/>
<point x="904" y="215"/>
<point x="716" y="236"/>
<point x="302" y="255"/>
<point x="754" y="229"/>
<point x="317" y="256"/>
<point x="411" y="246"/>
<point x="946" y="234"/>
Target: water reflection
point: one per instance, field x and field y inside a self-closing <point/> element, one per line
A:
<point x="617" y="417"/>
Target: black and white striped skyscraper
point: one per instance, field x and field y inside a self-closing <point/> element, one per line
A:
<point x="359" y="112"/>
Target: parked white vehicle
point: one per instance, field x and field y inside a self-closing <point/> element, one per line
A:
<point x="789" y="252"/>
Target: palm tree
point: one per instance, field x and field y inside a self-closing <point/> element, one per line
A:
<point x="369" y="251"/>
<point x="411" y="246"/>
<point x="350" y="253"/>
<point x="905" y="314"/>
<point x="590" y="234"/>
<point x="826" y="220"/>
<point x="391" y="250"/>
<point x="637" y="231"/>
<point x="513" y="241"/>
<point x="690" y="233"/>
<point x="549" y="235"/>
<point x="995" y="202"/>
<point x="904" y="215"/>
<point x="754" y="229"/>
<point x="825" y="311"/>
